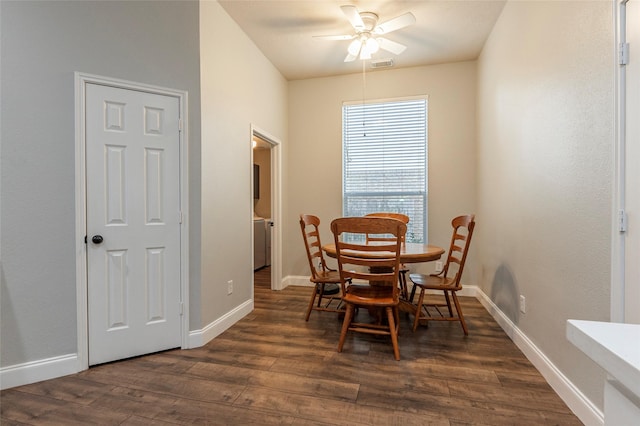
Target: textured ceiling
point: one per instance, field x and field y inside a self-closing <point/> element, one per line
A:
<point x="445" y="31"/>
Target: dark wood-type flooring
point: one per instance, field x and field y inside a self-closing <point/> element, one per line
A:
<point x="272" y="367"/>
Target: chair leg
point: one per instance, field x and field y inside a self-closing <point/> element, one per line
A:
<point x="402" y="278"/>
<point x="413" y="293"/>
<point x="457" y="303"/>
<point x="396" y="312"/>
<point x="418" y="309"/>
<point x="321" y="294"/>
<point x="394" y="332"/>
<point x="313" y="299"/>
<point x="446" y="296"/>
<point x="348" y="316"/>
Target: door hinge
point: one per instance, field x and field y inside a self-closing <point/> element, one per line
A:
<point x="622" y="221"/>
<point x="85" y="239"/>
<point x="180" y="217"/>
<point x="180" y="124"/>
<point x="181" y="308"/>
<point x="623" y="54"/>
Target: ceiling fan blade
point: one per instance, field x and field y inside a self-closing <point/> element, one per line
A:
<point x="354" y="47"/>
<point x="351" y="12"/>
<point x="335" y="37"/>
<point x="391" y="46"/>
<point x="395" y="23"/>
<point x="350" y="58"/>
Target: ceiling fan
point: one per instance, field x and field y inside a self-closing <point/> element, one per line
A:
<point x="368" y="33"/>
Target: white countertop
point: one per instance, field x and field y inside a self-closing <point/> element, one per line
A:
<point x="614" y="346"/>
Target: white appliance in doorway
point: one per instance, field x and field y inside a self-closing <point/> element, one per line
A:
<point x="268" y="224"/>
<point x="259" y="243"/>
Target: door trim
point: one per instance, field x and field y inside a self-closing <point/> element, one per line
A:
<point x="276" y="205"/>
<point x="81" y="81"/>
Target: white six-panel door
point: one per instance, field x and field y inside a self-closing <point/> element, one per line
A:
<point x="133" y="222"/>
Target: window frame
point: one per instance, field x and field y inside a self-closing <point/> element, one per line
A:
<point x="425" y="152"/>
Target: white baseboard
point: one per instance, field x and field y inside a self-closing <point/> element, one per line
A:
<point x="300" y="280"/>
<point x="37" y="371"/>
<point x="201" y="337"/>
<point x="577" y="402"/>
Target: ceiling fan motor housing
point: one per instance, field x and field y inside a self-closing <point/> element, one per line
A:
<point x="369" y="19"/>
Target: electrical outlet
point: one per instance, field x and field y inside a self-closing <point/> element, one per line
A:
<point x="229" y="286"/>
<point x="523" y="304"/>
<point x="438" y="266"/>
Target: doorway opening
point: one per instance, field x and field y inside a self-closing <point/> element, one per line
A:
<point x="265" y="174"/>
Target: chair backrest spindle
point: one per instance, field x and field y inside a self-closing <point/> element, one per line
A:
<point x="391" y="215"/>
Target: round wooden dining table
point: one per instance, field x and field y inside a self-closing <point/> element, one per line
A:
<point x="410" y="252"/>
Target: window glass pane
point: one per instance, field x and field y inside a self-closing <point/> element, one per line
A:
<point x="385" y="161"/>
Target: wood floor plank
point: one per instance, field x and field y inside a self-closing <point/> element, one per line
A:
<point x="227" y="357"/>
<point x="145" y="421"/>
<point x="452" y="408"/>
<point x="70" y="388"/>
<point x="341" y="413"/>
<point x="166" y="408"/>
<point x="276" y="380"/>
<point x="26" y="407"/>
<point x="274" y="368"/>
<point x="81" y="415"/>
<point x="175" y="385"/>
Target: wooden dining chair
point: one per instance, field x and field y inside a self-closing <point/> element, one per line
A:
<point x="372" y="270"/>
<point x="448" y="280"/>
<point x="402" y="276"/>
<point x="326" y="281"/>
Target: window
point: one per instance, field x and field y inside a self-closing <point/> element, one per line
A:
<point x="385" y="161"/>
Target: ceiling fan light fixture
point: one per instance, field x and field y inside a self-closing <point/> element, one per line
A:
<point x="369" y="46"/>
<point x="372" y="45"/>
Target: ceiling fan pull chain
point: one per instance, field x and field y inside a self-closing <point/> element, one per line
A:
<point x="364" y="110"/>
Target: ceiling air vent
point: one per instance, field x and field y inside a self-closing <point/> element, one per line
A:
<point x="383" y="63"/>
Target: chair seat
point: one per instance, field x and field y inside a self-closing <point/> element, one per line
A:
<point x="328" y="276"/>
<point x="434" y="282"/>
<point x="367" y="295"/>
<point x="329" y="289"/>
<point x="331" y="280"/>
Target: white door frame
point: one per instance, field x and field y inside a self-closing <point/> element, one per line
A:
<point x="276" y="204"/>
<point x="625" y="285"/>
<point x="81" y="80"/>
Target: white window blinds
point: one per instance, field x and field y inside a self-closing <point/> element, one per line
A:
<point x="385" y="161"/>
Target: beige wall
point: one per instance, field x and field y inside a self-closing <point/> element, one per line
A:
<point x="240" y="87"/>
<point x="314" y="159"/>
<point x="545" y="145"/>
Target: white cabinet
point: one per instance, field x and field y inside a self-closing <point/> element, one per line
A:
<point x="259" y="244"/>
<point x="616" y="348"/>
<point x="267" y="249"/>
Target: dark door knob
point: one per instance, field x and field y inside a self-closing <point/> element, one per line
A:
<point x="97" y="239"/>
